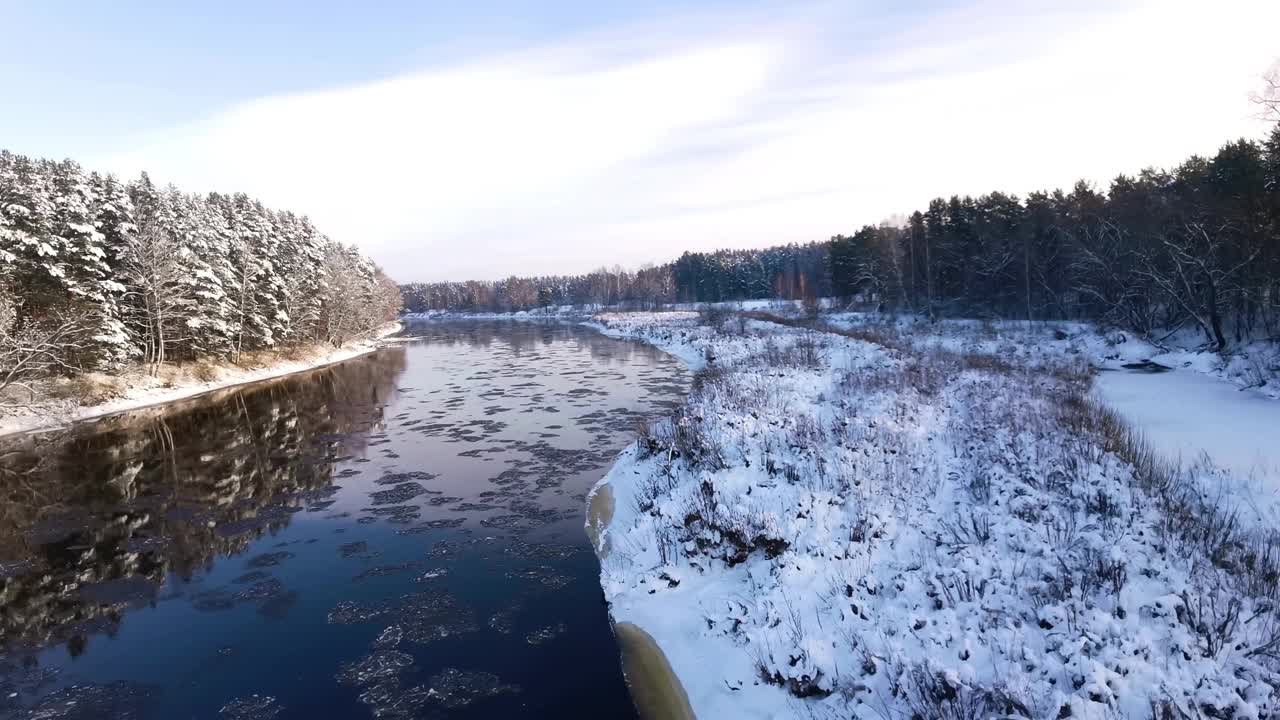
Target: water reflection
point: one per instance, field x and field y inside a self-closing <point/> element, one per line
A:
<point x="92" y="520"/>
<point x="396" y="536"/>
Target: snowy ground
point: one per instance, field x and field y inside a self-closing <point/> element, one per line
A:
<point x="1206" y="406"/>
<point x="136" y="389"/>
<point x="1254" y="367"/>
<point x="942" y="521"/>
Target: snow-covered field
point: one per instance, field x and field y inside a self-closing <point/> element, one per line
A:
<point x="1253" y="367"/>
<point x="885" y="521"/>
<point x="136" y="389"/>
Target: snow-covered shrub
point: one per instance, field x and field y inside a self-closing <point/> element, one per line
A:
<point x="935" y="694"/>
<point x="938" y="525"/>
<point x="686" y="437"/>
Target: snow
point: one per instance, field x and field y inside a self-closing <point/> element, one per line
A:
<point x="1251" y="365"/>
<point x="1186" y="414"/>
<point x="144" y="391"/>
<point x="894" y="519"/>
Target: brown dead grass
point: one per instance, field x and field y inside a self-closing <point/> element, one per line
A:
<point x="91" y="388"/>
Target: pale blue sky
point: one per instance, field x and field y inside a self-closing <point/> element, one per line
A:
<point x="456" y="140"/>
<point x="136" y="66"/>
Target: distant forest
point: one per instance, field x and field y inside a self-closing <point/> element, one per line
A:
<point x="1196" y="246"/>
<point x="96" y="273"/>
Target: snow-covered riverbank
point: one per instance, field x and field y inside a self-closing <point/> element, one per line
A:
<point x="879" y="522"/>
<point x="135" y="389"/>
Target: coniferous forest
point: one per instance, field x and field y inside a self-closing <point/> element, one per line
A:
<point x="1196" y="246"/>
<point x="97" y="274"/>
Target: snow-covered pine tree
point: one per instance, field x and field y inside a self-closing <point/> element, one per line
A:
<point x="301" y="256"/>
<point x="203" y="254"/>
<point x="113" y="217"/>
<point x="92" y="292"/>
<point x="258" y="286"/>
<point x="106" y="271"/>
<point x="34" y="258"/>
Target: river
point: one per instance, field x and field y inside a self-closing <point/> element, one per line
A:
<point x="1187" y="416"/>
<point x="398" y="536"/>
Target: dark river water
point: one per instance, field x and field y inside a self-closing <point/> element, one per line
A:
<point x="397" y="536"/>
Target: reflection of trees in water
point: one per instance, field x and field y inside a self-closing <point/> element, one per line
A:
<point x="92" y="520"/>
<point x="519" y="336"/>
<point x="522" y="337"/>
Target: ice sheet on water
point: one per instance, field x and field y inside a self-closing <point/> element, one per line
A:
<point x="434" y="615"/>
<point x="118" y="700"/>
<point x="352" y="612"/>
<point x="388" y="638"/>
<point x="384" y="570"/>
<point x="518" y="548"/>
<point x="545" y="634"/>
<point x="449" y="549"/>
<point x="261" y="590"/>
<point x="503" y="621"/>
<point x="506" y="522"/>
<point x="454" y="688"/>
<point x="393" y="513"/>
<point x="402" y="477"/>
<point x="432" y="575"/>
<point x="430" y="525"/>
<point x="401" y="493"/>
<point x="375" y="666"/>
<point x="424" y="617"/>
<point x="18" y="683"/>
<point x="544" y="575"/>
<point x="269" y="559"/>
<point x="253" y="707"/>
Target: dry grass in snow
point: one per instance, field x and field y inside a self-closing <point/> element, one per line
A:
<point x="862" y="522"/>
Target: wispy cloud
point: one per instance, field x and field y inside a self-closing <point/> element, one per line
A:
<point x="633" y="145"/>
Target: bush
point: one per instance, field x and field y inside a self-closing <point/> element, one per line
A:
<point x="683" y="437"/>
<point x="933" y="695"/>
<point x="87" y="389"/>
<point x="205" y="371"/>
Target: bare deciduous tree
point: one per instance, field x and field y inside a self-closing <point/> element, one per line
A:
<point x="1268" y="99"/>
<point x="152" y="269"/>
<point x="1101" y="270"/>
<point x="31" y="349"/>
<point x="1187" y="268"/>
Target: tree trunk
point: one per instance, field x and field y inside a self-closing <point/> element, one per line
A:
<point x="1026" y="277"/>
<point x="928" y="277"/>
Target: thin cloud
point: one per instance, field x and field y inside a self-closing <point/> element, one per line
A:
<point x="631" y="147"/>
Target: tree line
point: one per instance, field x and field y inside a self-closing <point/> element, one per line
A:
<point x="789" y="271"/>
<point x="1196" y="246"/>
<point x="647" y="287"/>
<point x="96" y="273"/>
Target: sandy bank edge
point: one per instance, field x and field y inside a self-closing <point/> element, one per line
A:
<point x="655" y="688"/>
